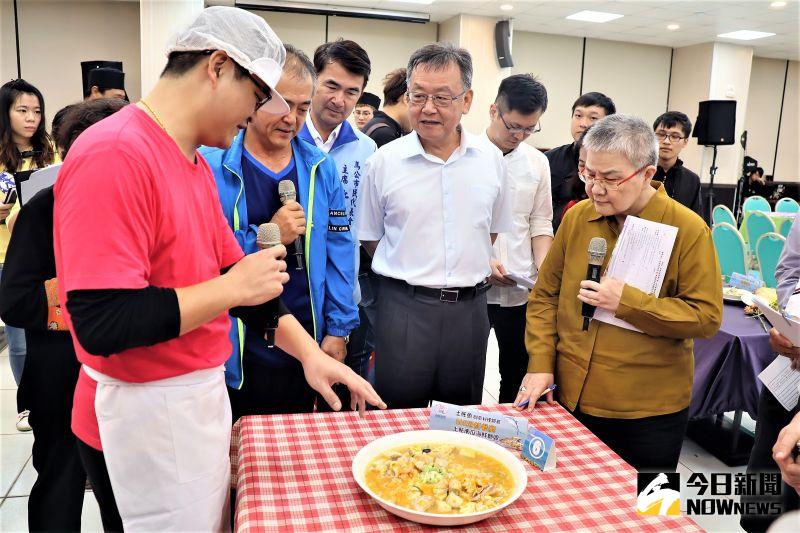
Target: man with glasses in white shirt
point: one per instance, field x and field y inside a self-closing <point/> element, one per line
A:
<point x="432" y="204"/>
<point x="515" y="115"/>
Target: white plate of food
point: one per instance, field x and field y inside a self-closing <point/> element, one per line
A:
<point x="735" y="295"/>
<point x="440" y="478"/>
<point x="747" y="298"/>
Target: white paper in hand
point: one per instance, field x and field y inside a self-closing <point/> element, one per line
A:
<point x="38" y="180"/>
<point x="782" y="381"/>
<point x="640" y="259"/>
<point x="787" y="327"/>
<point x="522" y="281"/>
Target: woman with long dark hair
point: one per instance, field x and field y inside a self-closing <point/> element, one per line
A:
<point x="23" y="135"/>
<point x="24" y="145"/>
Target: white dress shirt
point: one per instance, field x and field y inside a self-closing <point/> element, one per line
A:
<point x="528" y="181"/>
<point x="323" y="144"/>
<point x="432" y="217"/>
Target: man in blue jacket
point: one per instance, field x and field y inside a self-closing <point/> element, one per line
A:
<point x="343" y="69"/>
<point x="265" y="380"/>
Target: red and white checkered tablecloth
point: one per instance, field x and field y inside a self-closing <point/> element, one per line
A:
<point x="293" y="473"/>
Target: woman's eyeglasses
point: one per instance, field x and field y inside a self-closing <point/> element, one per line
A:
<point x="607" y="185"/>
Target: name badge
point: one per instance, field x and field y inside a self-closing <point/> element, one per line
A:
<point x="748" y="283"/>
<point x="539" y="450"/>
<point x="507" y="431"/>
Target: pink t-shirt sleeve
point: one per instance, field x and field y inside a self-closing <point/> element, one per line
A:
<point x="105" y="222"/>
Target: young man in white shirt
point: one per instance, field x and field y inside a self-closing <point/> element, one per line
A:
<point x="432" y="204"/>
<point x="515" y="115"/>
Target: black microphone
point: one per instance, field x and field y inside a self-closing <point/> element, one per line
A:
<point x="287" y="193"/>
<point x="597" y="252"/>
<point x="269" y="236"/>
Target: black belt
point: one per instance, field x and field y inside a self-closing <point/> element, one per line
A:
<point x="448" y="295"/>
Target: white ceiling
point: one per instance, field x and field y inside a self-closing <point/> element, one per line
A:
<point x="643" y="21"/>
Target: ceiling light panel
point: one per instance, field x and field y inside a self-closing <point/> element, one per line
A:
<point x="745" y="35"/>
<point x="594" y="16"/>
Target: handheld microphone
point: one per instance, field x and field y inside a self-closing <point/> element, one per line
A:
<point x="597" y="252"/>
<point x="287" y="193"/>
<point x="269" y="236"/>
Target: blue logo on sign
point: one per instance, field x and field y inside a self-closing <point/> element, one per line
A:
<point x="536" y="447"/>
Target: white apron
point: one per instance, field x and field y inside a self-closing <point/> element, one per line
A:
<point x="166" y="445"/>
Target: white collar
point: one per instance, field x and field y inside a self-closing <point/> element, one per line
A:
<point x="413" y="146"/>
<point x="317" y="136"/>
<point x="518" y="150"/>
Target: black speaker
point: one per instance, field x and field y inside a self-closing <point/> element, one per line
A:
<point x="502" y="43"/>
<point x="716" y="123"/>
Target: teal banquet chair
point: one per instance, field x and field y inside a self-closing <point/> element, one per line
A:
<point x="721" y="213"/>
<point x="757" y="225"/>
<point x="786" y="227"/>
<point x="731" y="249"/>
<point x="768" y="250"/>
<point x="787" y="205"/>
<point x="756" y="203"/>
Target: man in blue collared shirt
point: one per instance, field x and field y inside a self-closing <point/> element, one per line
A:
<point x="343" y="69"/>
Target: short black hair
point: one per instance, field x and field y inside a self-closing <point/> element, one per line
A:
<point x="670" y="119"/>
<point x="347" y="53"/>
<point x="759" y="171"/>
<point x="58" y="118"/>
<point x="598" y="99"/>
<point x="523" y="93"/>
<point x="179" y="63"/>
<point x="78" y="117"/>
<point x="394" y="86"/>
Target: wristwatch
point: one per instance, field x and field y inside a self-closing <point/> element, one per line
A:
<point x="346" y="338"/>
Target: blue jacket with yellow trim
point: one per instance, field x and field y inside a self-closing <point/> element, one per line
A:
<point x="328" y="253"/>
<point x="349" y="152"/>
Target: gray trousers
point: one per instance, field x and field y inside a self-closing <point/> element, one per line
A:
<point x="426" y="349"/>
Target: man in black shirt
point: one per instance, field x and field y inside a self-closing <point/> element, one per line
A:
<point x="672" y="131"/>
<point x="586" y="110"/>
<point x="365" y="109"/>
<point x="392" y="122"/>
<point x="756" y="184"/>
